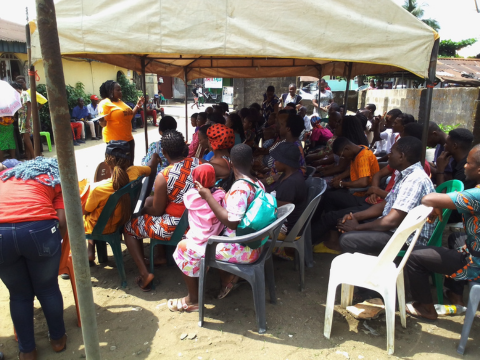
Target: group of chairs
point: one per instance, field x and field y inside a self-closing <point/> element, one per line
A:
<point x="378" y="273"/>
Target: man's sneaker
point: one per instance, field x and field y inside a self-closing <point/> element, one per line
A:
<point x="75" y="143"/>
<point x="81" y="141"/>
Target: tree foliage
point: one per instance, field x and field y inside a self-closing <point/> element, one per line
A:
<point x="73" y="93"/>
<point x="129" y="90"/>
<point x="416" y="10"/>
<point x="449" y="48"/>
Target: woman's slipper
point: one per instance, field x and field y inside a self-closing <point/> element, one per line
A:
<point x="232" y="285"/>
<point x="323" y="249"/>
<point x="181" y="306"/>
<point x="410" y="309"/>
<point x="144" y="287"/>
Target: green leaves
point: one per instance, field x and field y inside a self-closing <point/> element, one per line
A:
<point x="449" y="48"/>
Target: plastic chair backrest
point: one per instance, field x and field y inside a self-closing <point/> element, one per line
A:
<point x="271" y="230"/>
<point x="307" y="213"/>
<point x="449" y="186"/>
<point x="179" y="230"/>
<point x="310" y="171"/>
<point x="413" y="222"/>
<point x="315" y="186"/>
<point x="133" y="189"/>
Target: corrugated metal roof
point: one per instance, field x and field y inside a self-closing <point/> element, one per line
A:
<point x="13" y="47"/>
<point x="461" y="71"/>
<point x="10" y="31"/>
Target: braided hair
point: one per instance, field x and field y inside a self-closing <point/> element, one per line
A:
<point x="106" y="89"/>
<point x="32" y="169"/>
<point x="173" y="144"/>
<point x="120" y="179"/>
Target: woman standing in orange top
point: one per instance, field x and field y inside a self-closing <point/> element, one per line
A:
<point x="117" y="123"/>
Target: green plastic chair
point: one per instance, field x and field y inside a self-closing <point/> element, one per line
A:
<point x="47" y="136"/>
<point x="177" y="236"/>
<point x="115" y="238"/>
<point x="436" y="238"/>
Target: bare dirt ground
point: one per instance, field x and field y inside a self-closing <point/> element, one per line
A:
<point x="137" y="325"/>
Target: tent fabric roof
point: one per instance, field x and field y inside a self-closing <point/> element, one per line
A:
<point x="245" y="39"/>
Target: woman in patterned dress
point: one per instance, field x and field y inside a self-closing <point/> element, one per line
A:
<point x="163" y="210"/>
<point x="235" y="205"/>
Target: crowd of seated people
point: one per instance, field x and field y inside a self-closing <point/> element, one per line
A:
<point x="372" y="165"/>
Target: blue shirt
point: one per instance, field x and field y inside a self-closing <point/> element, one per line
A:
<point x="80" y="113"/>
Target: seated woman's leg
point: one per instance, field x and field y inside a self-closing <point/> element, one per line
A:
<point x="135" y="248"/>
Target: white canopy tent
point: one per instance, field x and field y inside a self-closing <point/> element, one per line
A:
<point x="245" y="38"/>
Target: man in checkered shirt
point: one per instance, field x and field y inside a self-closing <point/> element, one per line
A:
<point x="369" y="231"/>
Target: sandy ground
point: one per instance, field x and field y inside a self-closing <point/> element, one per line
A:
<point x="137" y="325"/>
<point x="134" y="324"/>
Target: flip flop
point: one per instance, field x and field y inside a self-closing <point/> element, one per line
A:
<point x="230" y="286"/>
<point x="139" y="282"/>
<point x="180" y="305"/>
<point x="410" y="309"/>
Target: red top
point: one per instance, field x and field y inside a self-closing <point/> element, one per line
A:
<point x="22" y="201"/>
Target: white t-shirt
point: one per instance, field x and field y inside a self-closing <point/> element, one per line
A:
<point x="388" y="136"/>
<point x="369" y="133"/>
<point x="307" y="123"/>
<point x="93" y="112"/>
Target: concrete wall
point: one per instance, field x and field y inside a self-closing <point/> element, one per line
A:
<point x="450" y="106"/>
<point x="249" y="91"/>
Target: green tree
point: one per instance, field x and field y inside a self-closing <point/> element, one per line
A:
<point x="449" y="48"/>
<point x="416" y="10"/>
<point x="129" y="90"/>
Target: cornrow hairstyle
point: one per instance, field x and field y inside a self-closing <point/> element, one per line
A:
<point x="120" y="179"/>
<point x="173" y="144"/>
<point x="106" y="89"/>
<point x="33" y="169"/>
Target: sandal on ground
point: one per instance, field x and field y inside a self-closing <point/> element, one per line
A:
<point x="410" y="309"/>
<point x="145" y="288"/>
<point x="323" y="249"/>
<point x="232" y="285"/>
<point x="62" y="349"/>
<point x="181" y="306"/>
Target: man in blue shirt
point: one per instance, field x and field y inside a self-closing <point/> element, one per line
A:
<point x="80" y="114"/>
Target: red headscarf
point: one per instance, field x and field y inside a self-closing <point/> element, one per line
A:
<point x="220" y="137"/>
<point x="205" y="175"/>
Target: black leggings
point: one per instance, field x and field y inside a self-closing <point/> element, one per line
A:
<point x="427" y="259"/>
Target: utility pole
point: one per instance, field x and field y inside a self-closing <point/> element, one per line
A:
<point x="57" y="97"/>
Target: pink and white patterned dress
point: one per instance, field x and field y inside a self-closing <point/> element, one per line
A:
<point x="236" y="202"/>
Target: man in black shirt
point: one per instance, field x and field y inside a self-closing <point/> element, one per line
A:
<point x="457" y="145"/>
<point x="290" y="188"/>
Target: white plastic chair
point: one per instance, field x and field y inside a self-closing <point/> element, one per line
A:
<point x="377" y="273"/>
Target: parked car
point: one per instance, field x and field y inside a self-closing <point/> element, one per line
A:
<point x="310" y="88"/>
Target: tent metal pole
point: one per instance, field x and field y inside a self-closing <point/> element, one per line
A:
<point x="55" y="81"/>
<point x="35" y="120"/>
<point x="186" y="110"/>
<point x="347" y="88"/>
<point x="428" y="101"/>
<point x="144" y="86"/>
